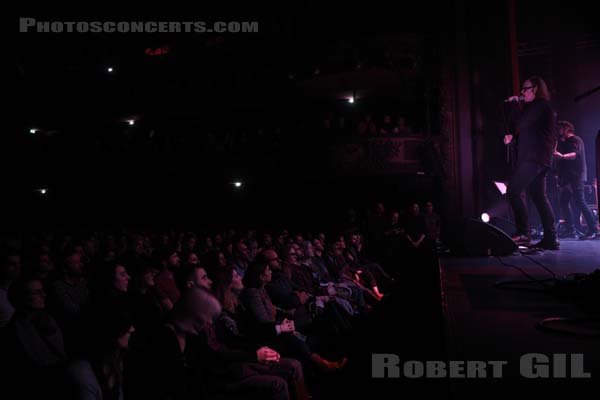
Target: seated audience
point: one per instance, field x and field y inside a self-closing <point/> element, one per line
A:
<point x="432" y="223"/>
<point x="70" y="293"/>
<point x="147" y="312"/>
<point x="254" y="322"/>
<point x="34" y="350"/>
<point x="401" y="128"/>
<point x="191" y="362"/>
<point x="284" y="292"/>
<point x="214" y="260"/>
<point x="133" y="320"/>
<point x="100" y="375"/>
<point x="355" y="254"/>
<point x="387" y="126"/>
<point x="366" y="127"/>
<point x="110" y="296"/>
<point x="69" y="299"/>
<point x="415" y="230"/>
<point x="10" y="268"/>
<point x="241" y="256"/>
<point x="166" y="286"/>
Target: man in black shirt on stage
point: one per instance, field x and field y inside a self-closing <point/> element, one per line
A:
<point x="572" y="174"/>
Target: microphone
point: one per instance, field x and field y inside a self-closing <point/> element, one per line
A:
<point x="520" y="98"/>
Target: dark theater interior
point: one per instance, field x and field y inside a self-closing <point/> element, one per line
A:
<point x="301" y="200"/>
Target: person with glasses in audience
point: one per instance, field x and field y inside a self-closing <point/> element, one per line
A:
<point x="532" y="122"/>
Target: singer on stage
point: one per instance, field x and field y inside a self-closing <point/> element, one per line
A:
<point x="532" y="125"/>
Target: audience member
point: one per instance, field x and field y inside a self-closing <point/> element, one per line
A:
<point x="10" y="268"/>
<point x="241" y="257"/>
<point x="134" y="322"/>
<point x="432" y="223"/>
<point x="401" y="128"/>
<point x="415" y="228"/>
<point x="166" y="285"/>
<point x="69" y="299"/>
<point x="35" y="351"/>
<point x="100" y="375"/>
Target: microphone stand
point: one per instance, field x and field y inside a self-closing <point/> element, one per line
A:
<point x="586" y="94"/>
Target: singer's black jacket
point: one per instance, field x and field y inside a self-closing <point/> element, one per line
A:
<point x="534" y="126"/>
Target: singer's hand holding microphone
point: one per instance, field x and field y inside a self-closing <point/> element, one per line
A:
<point x="514" y="98"/>
<point x="508" y="138"/>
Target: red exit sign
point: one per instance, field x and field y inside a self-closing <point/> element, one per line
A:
<point x="159" y="51"/>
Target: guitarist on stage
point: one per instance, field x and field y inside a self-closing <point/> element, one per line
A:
<point x="572" y="174"/>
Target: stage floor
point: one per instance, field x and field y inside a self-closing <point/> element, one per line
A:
<point x="484" y="322"/>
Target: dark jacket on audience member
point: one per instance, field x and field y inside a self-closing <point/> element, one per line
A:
<point x="257" y="302"/>
<point x="303" y="278"/>
<point x="37" y="340"/>
<point x="322" y="273"/>
<point x="281" y="291"/>
<point x="174" y="374"/>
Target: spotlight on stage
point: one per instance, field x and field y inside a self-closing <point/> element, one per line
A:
<point x="237" y="184"/>
<point x="496" y="209"/>
<point x="110" y="69"/>
<point x="351" y="100"/>
<point x="501" y="187"/>
<point x="42" y="191"/>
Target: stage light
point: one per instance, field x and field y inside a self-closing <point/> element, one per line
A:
<point x="237" y="184"/>
<point x="485" y="217"/>
<point x="33" y="131"/>
<point x="131" y="122"/>
<point x="502" y="188"/>
<point x="110" y="69"/>
<point x="42" y="191"/>
<point x="351" y="100"/>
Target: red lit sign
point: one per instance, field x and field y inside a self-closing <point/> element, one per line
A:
<point x="158" y="51"/>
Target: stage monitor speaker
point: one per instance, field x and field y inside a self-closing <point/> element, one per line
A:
<point x="472" y="237"/>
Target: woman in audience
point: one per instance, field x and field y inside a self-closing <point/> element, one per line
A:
<point x="214" y="260"/>
<point x="145" y="304"/>
<point x="110" y="294"/>
<point x="301" y="274"/>
<point x="207" y="246"/>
